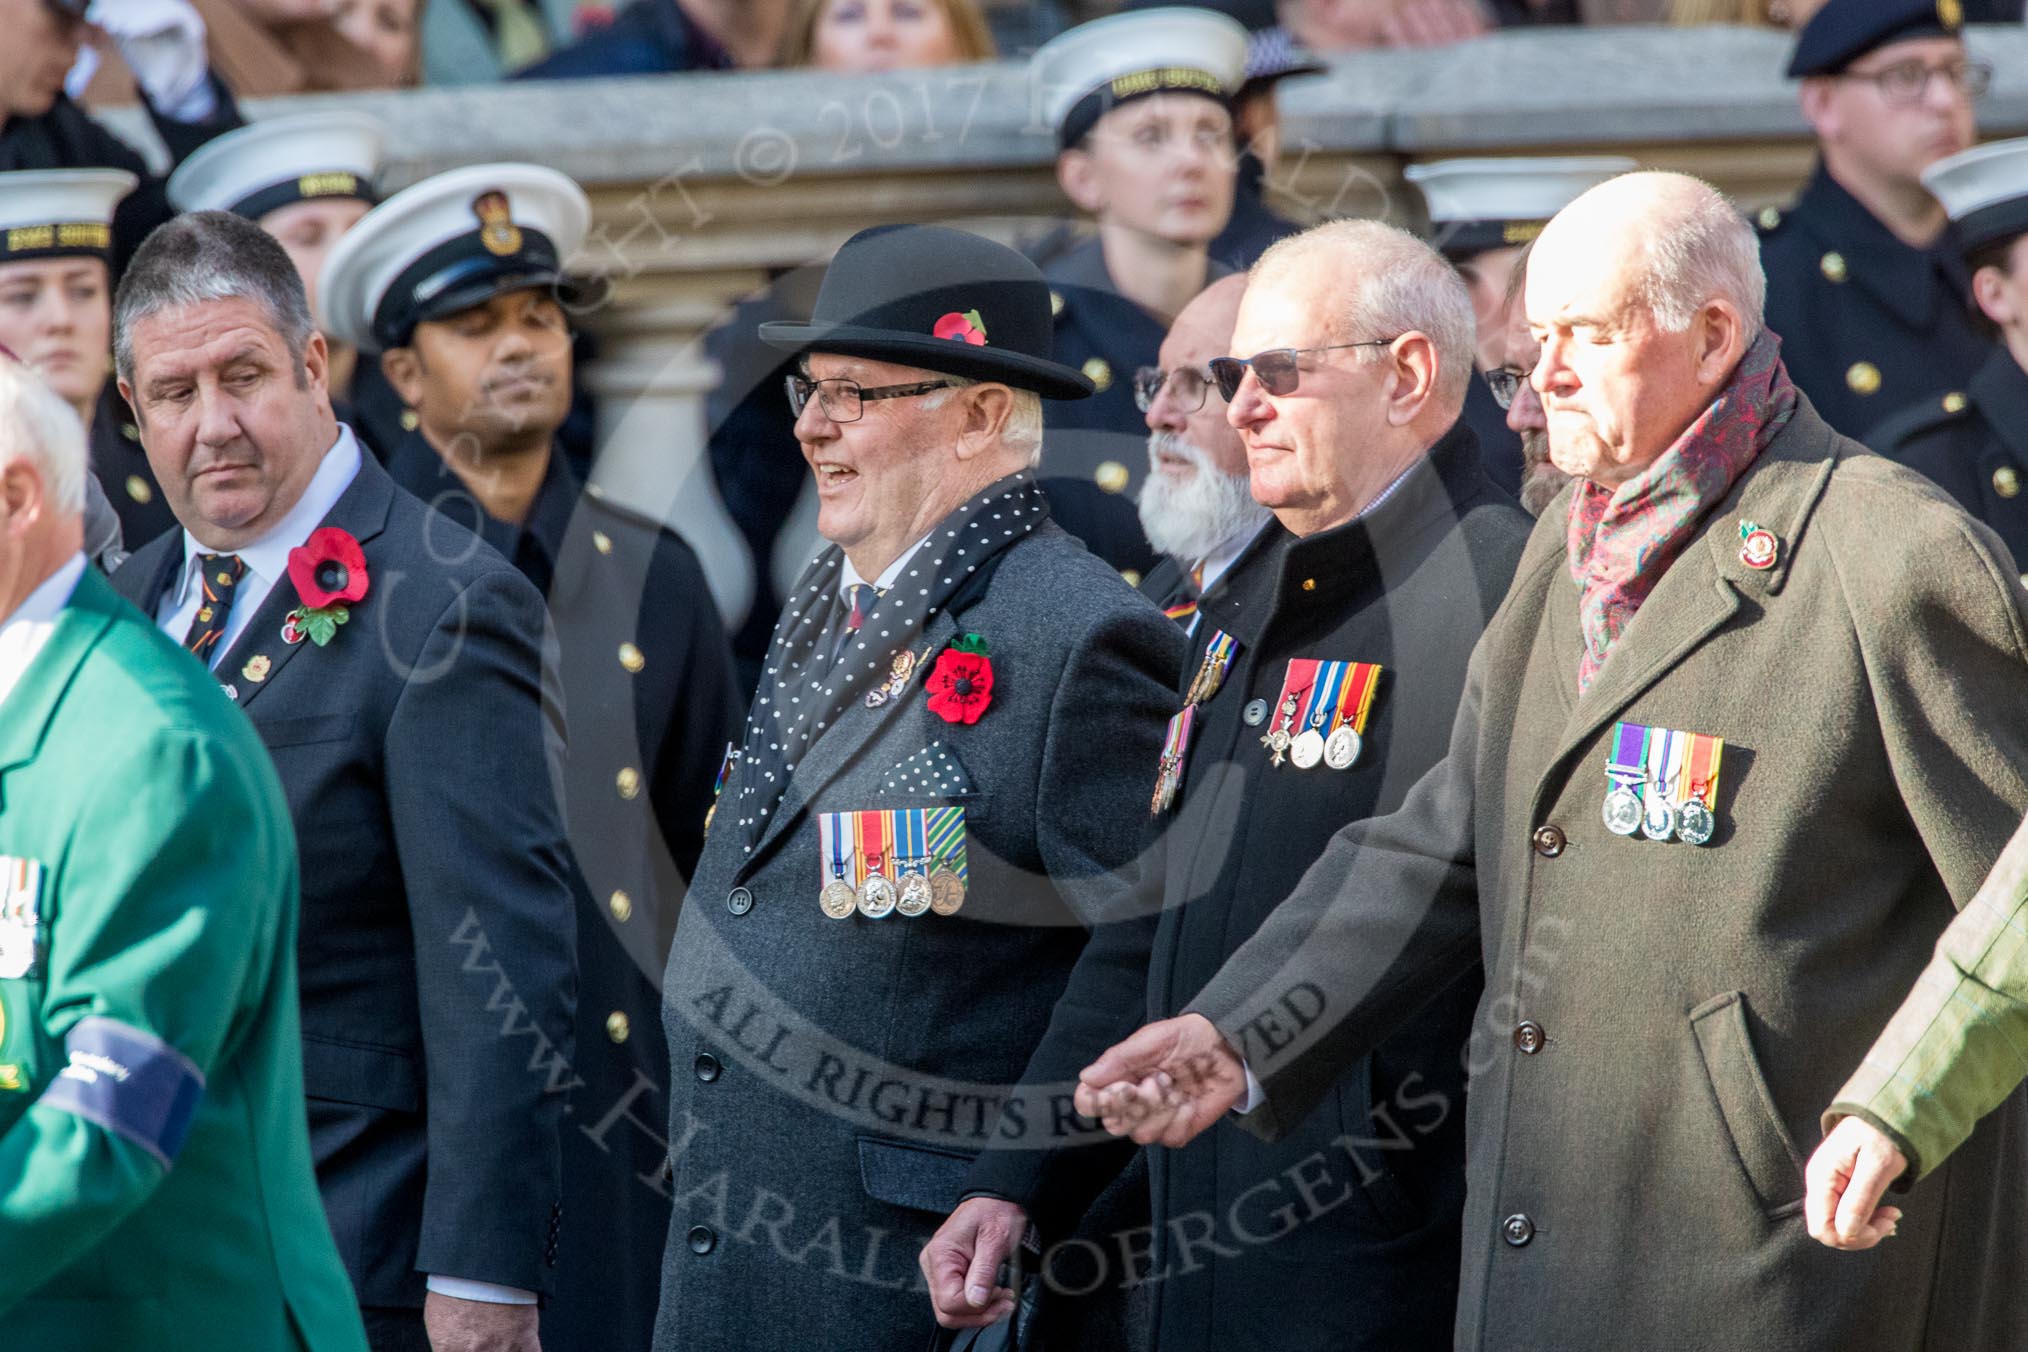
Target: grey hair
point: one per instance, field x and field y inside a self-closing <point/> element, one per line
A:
<point x="1402" y="285"/>
<point x="1709" y="252"/>
<point x="1024" y="420"/>
<point x="211" y="256"/>
<point x="38" y="426"/>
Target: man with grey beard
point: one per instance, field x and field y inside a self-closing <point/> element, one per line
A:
<point x="1541" y="480"/>
<point x="1326" y="667"/>
<point x="1197" y="505"/>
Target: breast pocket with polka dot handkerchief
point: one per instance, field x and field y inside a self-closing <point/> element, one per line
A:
<point x="933" y="772"/>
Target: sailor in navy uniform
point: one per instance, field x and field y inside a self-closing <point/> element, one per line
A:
<point x="455" y="288"/>
<point x="1483" y="214"/>
<point x="1140" y="102"/>
<point x="1870" y="307"/>
<point x="1974" y="441"/>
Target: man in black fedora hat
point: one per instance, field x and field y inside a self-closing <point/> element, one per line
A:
<point x="943" y="777"/>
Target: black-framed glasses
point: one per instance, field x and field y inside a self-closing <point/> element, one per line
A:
<point x="1505" y="382"/>
<point x="1279" y="369"/>
<point x="1906" y="82"/>
<point x="843" y="400"/>
<point x="1187" y="386"/>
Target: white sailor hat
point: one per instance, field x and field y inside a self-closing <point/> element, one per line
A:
<point x="447" y="244"/>
<point x="50" y="213"/>
<point x="279" y="160"/>
<point x="1476" y="205"/>
<point x="1985" y="190"/>
<point x="1080" y="75"/>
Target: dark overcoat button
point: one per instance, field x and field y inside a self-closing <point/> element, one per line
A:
<point x="1529" y="1038"/>
<point x="739" y="901"/>
<point x="1255" y="712"/>
<point x="707" y="1067"/>
<point x="702" y="1239"/>
<point x="1549" y="841"/>
<point x="1516" y="1230"/>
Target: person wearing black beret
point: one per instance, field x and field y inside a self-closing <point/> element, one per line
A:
<point x="1859" y="283"/>
<point x="1973" y="441"/>
<point x="939" y="794"/>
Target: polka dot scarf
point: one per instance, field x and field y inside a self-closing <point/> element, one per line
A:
<point x="802" y="691"/>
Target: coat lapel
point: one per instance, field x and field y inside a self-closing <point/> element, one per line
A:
<point x="840" y="747"/>
<point x="361" y="510"/>
<point x="29" y="707"/>
<point x="1707" y="584"/>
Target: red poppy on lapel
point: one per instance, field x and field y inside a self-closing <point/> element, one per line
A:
<point x="329" y="574"/>
<point x="961" y="686"/>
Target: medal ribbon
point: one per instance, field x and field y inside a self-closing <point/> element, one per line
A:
<point x="1218" y="655"/>
<point x="944" y="827"/>
<point x="831" y="839"/>
<point x="1626" y="769"/>
<point x="1301" y="678"/>
<point x="1665" y="760"/>
<point x="1700" y="775"/>
<point x="873" y="839"/>
<point x="1169" y="773"/>
<point x="1323" y="697"/>
<point x="1355" y="700"/>
<point x="909" y="849"/>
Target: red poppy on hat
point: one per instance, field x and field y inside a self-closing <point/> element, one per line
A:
<point x="966" y="328"/>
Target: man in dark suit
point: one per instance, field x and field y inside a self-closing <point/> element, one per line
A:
<point x="1340" y="638"/>
<point x="391" y="664"/>
<point x="1859" y="281"/>
<point x="641" y="663"/>
<point x="945" y="769"/>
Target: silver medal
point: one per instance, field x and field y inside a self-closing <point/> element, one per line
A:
<point x="1307" y="751"/>
<point x="915" y="895"/>
<point x="1342" y="748"/>
<point x="877" y="897"/>
<point x="1623" y="811"/>
<point x="1658" y="820"/>
<point x="1695" y="824"/>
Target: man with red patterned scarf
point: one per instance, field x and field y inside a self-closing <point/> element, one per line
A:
<point x="1726" y="767"/>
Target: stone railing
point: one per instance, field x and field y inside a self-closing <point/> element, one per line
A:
<point x="704" y="184"/>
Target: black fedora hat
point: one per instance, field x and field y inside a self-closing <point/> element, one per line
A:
<point x="941" y="299"/>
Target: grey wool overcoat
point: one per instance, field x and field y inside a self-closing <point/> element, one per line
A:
<point x="833" y="1079"/>
<point x="1663" y="1023"/>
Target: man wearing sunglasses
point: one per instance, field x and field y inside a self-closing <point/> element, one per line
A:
<point x="1858" y="284"/>
<point x="1731" y="758"/>
<point x="1197" y="506"/>
<point x="1326" y="670"/>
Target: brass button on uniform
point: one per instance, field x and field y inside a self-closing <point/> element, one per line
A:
<point x="618" y="1026"/>
<point x="739" y="901"/>
<point x="1770" y="217"/>
<point x="602" y="542"/>
<point x="706" y="1067"/>
<point x="1954" y="402"/>
<point x="1529" y="1038"/>
<point x="1099" y="372"/>
<point x="138" y="490"/>
<point x="622" y="907"/>
<point x="1055" y="303"/>
<point x="1309" y="584"/>
<point x="1863" y="377"/>
<point x="1517" y="1230"/>
<point x="409" y="420"/>
<point x="1111" y="477"/>
<point x="628" y="782"/>
<point x="703" y="1239"/>
<point x="1549" y="841"/>
<point x="1131" y="576"/>
<point x="2006" y="481"/>
<point x="1833" y="265"/>
<point x="631" y="659"/>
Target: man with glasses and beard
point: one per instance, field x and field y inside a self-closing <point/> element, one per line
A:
<point x="1196" y="506"/>
<point x="1858" y="281"/>
<point x="1326" y="668"/>
<point x="1541" y="480"/>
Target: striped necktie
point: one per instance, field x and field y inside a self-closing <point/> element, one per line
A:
<point x="218" y="575"/>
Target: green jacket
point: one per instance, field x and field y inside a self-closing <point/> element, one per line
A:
<point x="155" y="1179"/>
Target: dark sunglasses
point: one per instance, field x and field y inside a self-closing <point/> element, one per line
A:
<point x="1279" y="369"/>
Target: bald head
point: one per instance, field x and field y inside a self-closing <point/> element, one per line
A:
<point x="1645" y="294"/>
<point x="1212" y="311"/>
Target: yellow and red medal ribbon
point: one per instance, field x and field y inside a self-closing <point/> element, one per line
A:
<point x="1355" y="700"/>
<point x="874" y="833"/>
<point x="1701" y="762"/>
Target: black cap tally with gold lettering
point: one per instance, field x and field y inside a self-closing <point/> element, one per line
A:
<point x="281" y="160"/>
<point x="1481" y="204"/>
<point x="1081" y="75"/>
<point x="51" y="213"/>
<point x="447" y="244"/>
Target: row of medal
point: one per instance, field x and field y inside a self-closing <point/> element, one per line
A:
<point x="1218" y="655"/>
<point x="910" y="860"/>
<point x="1320" y="716"/>
<point x="1663" y="784"/>
<point x="21" y="936"/>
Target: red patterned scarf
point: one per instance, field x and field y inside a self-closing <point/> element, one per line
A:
<point x="1622" y="540"/>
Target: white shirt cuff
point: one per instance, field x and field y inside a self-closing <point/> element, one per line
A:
<point x="1255" y="1095"/>
<point x="464" y="1288"/>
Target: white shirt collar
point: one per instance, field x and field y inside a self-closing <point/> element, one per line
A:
<point x="848" y="576"/>
<point x="23" y="634"/>
<point x="268" y="557"/>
